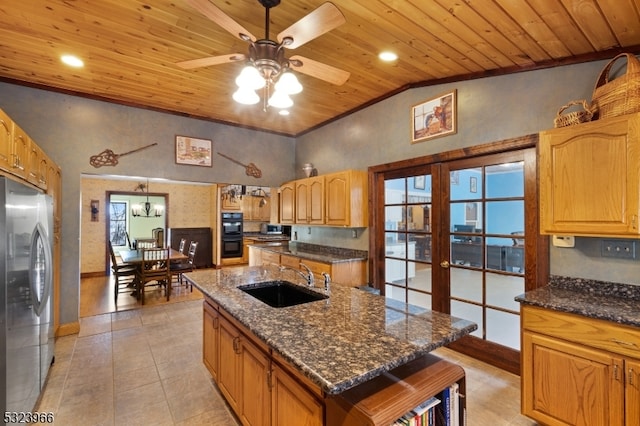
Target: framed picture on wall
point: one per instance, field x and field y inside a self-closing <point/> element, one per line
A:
<point x="418" y="182"/>
<point x="434" y="117"/>
<point x="193" y="151"/>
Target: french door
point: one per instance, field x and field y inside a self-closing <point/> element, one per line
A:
<point x="461" y="237"/>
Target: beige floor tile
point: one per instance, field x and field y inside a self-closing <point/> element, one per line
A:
<point x="125" y="380"/>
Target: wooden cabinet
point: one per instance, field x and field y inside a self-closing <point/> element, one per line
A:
<point x="6" y="141"/>
<point x="346" y="199"/>
<point x="37" y="171"/>
<point x="310" y="201"/>
<point x="211" y="336"/>
<point x="336" y="199"/>
<point x="287" y="194"/>
<point x="229" y="374"/>
<point x="256" y="208"/>
<point x="255" y="376"/>
<point x="21" y="151"/>
<point x="577" y="370"/>
<point x="589" y="182"/>
<point x="352" y="272"/>
<point x="203" y="258"/>
<point x="292" y="403"/>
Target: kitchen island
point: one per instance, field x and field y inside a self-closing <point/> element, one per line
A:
<point x="330" y="346"/>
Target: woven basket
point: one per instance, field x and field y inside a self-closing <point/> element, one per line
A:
<point x="619" y="96"/>
<point x="574" y="117"/>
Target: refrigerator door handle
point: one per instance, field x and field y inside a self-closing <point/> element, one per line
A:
<point x="40" y="271"/>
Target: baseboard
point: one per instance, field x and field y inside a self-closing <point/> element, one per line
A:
<point x="68" y="329"/>
<point x="92" y="274"/>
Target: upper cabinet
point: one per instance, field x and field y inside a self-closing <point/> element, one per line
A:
<point x="336" y="199"/>
<point x="310" y="200"/>
<point x="20" y="152"/>
<point x="590" y="178"/>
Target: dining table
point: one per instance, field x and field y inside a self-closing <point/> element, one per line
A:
<point x="135" y="256"/>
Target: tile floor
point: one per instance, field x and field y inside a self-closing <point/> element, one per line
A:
<point x="143" y="366"/>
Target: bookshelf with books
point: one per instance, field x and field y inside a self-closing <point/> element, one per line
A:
<point x="428" y="388"/>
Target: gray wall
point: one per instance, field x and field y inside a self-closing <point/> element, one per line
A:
<point x="71" y="129"/>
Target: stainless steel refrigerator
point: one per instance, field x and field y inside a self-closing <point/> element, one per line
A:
<point x="26" y="274"/>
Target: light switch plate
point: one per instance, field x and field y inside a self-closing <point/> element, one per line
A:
<point x="563" y="241"/>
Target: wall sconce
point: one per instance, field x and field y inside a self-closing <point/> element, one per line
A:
<point x="95" y="209"/>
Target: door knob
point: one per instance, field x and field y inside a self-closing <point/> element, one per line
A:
<point x="444" y="264"/>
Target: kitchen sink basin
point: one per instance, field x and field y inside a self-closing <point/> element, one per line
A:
<point x="280" y="294"/>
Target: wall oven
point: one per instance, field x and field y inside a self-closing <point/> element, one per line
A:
<point x="231" y="235"/>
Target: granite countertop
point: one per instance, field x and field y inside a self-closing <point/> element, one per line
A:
<point x="339" y="342"/>
<point x="316" y="252"/>
<point x="258" y="236"/>
<point x="594" y="299"/>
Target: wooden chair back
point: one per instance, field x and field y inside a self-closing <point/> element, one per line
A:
<point x="183" y="243"/>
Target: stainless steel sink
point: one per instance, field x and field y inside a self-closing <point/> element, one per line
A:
<point x="280" y="294"/>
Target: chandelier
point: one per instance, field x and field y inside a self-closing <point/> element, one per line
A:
<point x="267" y="69"/>
<point x="146" y="209"/>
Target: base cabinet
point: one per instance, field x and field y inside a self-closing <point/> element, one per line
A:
<point x="579" y="371"/>
<point x="210" y="339"/>
<point x="292" y="403"/>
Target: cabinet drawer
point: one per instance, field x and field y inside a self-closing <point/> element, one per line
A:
<point x="270" y="258"/>
<point x="290" y="261"/>
<point x="317" y="267"/>
<point x="616" y="338"/>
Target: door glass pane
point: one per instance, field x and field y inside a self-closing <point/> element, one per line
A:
<point x="469" y="312"/>
<point x="503" y="328"/>
<point x="466" y="184"/>
<point x="502" y="289"/>
<point x="505" y="217"/>
<point x="466" y="284"/>
<point x="505" y="180"/>
<point x="420" y="299"/>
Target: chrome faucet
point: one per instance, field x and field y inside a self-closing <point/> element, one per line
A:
<point x="307" y="277"/>
<point x="327" y="281"/>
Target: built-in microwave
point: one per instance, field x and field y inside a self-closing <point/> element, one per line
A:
<point x="272" y="229"/>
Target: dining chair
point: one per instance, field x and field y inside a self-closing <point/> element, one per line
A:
<point x="178" y="269"/>
<point x="128" y="241"/>
<point x="154" y="269"/>
<point x="124" y="274"/>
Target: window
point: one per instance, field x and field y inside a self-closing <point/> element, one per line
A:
<point x="118" y="223"/>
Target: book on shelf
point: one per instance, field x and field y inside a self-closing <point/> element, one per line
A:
<point x="450" y="409"/>
<point x="422" y="415"/>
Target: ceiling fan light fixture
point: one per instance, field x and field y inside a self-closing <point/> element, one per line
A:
<point x="288" y="83"/>
<point x="250" y="78"/>
<point x="246" y="96"/>
<point x="280" y="100"/>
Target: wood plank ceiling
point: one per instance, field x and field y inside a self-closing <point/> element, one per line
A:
<point x="130" y="48"/>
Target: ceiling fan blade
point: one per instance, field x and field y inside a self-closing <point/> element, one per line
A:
<point x="322" y="20"/>
<point x="214" y="13"/>
<point x="211" y="60"/>
<point x="319" y="70"/>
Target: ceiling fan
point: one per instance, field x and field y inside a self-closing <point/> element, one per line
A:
<point x="267" y="56"/>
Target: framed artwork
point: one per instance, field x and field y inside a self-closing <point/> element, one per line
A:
<point x="434" y="118"/>
<point x="473" y="184"/>
<point x="193" y="151"/>
<point x="418" y="182"/>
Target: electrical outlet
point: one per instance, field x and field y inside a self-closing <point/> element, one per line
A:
<point x="621" y="249"/>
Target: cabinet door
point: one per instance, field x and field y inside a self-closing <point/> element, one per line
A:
<point x="632" y="393"/>
<point x="210" y="345"/>
<point x="589" y="178"/>
<point x="6" y="141"/>
<point x="338" y="206"/>
<point x="287" y="203"/>
<point x="316" y="200"/>
<point x="570" y="384"/>
<point x="302" y="201"/>
<point x="229" y="380"/>
<point x="256" y="396"/>
<point x="20" y="153"/>
<point x="292" y="404"/>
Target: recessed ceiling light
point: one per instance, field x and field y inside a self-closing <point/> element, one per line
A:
<point x="284" y="112"/>
<point x="387" y="56"/>
<point x="72" y="61"/>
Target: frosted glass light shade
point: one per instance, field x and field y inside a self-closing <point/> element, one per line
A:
<point x="289" y="84"/>
<point x="280" y="100"/>
<point x="250" y="78"/>
<point x="246" y="96"/>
